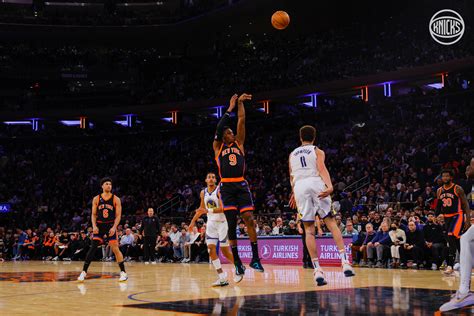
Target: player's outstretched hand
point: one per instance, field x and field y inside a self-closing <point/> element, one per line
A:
<point x="232" y="102"/>
<point x="292" y="201"/>
<point x="325" y="193"/>
<point x="245" y="97"/>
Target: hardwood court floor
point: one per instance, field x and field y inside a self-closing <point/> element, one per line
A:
<point x="49" y="288"/>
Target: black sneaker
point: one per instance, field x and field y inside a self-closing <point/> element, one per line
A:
<point x="256" y="265"/>
<point x="239" y="269"/>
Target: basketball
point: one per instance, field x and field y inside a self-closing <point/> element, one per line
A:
<point x="280" y="20"/>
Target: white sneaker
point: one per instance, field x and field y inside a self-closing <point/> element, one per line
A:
<point x="238" y="278"/>
<point x="434" y="267"/>
<point x="147" y="262"/>
<point x="56" y="258"/>
<point x="458" y="300"/>
<point x="448" y="271"/>
<point x="456" y="267"/>
<point x="220" y="282"/>
<point x="123" y="276"/>
<point x="348" y="270"/>
<point x="82" y="276"/>
<point x="153" y="262"/>
<point x="319" y="277"/>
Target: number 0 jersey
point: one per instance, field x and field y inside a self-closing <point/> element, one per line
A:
<point x="231" y="163"/>
<point x="106" y="210"/>
<point x="303" y="163"/>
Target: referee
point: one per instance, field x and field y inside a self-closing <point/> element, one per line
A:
<point x="149" y="229"/>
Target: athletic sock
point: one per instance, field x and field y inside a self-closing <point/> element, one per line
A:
<point x="316" y="264"/>
<point x="122" y="266"/>
<point x="343" y="255"/>
<point x="235" y="253"/>
<point x="86" y="266"/>
<point x="217" y="264"/>
<point x="222" y="276"/>
<point x="255" y="250"/>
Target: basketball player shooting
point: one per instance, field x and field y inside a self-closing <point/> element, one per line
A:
<point x="106" y="215"/>
<point x="217" y="229"/>
<point x="463" y="296"/>
<point x="312" y="187"/>
<point x="236" y="197"/>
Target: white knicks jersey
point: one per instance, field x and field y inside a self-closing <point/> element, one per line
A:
<point x="303" y="163"/>
<point x="211" y="200"/>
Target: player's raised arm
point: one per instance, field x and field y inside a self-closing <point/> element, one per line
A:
<point x="324" y="173"/>
<point x="95" y="202"/>
<point x="222" y="124"/>
<point x="241" y="119"/>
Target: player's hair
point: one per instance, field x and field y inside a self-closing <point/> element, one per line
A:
<point x="450" y="171"/>
<point x="211" y="172"/>
<point x="106" y="179"/>
<point x="224" y="129"/>
<point x="308" y="133"/>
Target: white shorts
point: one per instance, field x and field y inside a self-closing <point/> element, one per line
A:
<point x="217" y="232"/>
<point x="307" y="201"/>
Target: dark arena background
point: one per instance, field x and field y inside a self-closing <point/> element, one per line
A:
<point x="110" y="122"/>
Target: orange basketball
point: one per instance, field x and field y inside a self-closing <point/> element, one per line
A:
<point x="280" y="20"/>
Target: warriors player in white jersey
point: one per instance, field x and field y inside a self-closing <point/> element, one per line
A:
<point x="216" y="230"/>
<point x="312" y="187"/>
<point x="463" y="296"/>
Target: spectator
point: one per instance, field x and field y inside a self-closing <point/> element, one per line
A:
<point x="398" y="238"/>
<point x="413" y="248"/>
<point x="278" y="228"/>
<point x="291" y="229"/>
<point x="370" y="235"/>
<point x="126" y="244"/>
<point x="164" y="248"/>
<point x="349" y="230"/>
<point x="434" y="241"/>
<point x="175" y="237"/>
<point x="379" y="246"/>
<point x="61" y="247"/>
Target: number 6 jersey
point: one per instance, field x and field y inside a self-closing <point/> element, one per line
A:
<point x="105" y="210"/>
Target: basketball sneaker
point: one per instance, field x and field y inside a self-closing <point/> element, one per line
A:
<point x="239" y="272"/>
<point x="82" y="276"/>
<point x="458" y="300"/>
<point x="319" y="277"/>
<point x="256" y="265"/>
<point x="220" y="282"/>
<point x="348" y="270"/>
<point x="448" y="271"/>
<point x="123" y="276"/>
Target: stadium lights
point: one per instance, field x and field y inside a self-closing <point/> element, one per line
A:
<point x="128" y="122"/>
<point x="71" y="122"/>
<point x="313" y="103"/>
<point x="387" y="89"/>
<point x="17" y="122"/>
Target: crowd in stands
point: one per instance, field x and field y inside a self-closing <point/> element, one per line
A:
<point x="132" y="76"/>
